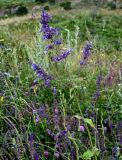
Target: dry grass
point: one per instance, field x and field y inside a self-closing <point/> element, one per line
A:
<point x="59" y="11"/>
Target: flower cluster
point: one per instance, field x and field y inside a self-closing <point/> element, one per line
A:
<point x="40" y="113"/>
<point x="48" y="34"/>
<point x="62" y="56"/>
<point x="98" y="85"/>
<point x="33" y="152"/>
<point x="48" y="31"/>
<point x="42" y="74"/>
<point x="86" y="53"/>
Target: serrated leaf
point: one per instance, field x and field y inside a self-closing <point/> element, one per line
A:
<point x="89" y="121"/>
<point x="87" y="155"/>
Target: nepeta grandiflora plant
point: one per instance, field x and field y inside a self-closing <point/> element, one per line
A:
<point x="51" y="36"/>
<point x="68" y="132"/>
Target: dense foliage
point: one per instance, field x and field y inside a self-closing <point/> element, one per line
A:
<point x="22" y="10"/>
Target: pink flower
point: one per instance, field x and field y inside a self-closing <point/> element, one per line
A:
<point x="82" y="128"/>
<point x="46" y="153"/>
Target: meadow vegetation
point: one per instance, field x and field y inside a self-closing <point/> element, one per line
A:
<point x="62" y="99"/>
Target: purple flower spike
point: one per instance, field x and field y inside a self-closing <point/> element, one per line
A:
<point x="31" y="137"/>
<point x="86" y="50"/>
<point x="42" y="74"/>
<point x="82" y="62"/>
<point x="36" y="156"/>
<point x="62" y="56"/>
<point x="37" y="119"/>
<point x="86" y="53"/>
<point x="35" y="111"/>
<point x="45" y="17"/>
<point x="49" y="132"/>
<point x="57" y="42"/>
<point x="49" y="33"/>
<point x="48" y="47"/>
<point x="47" y="83"/>
<point x="34" y="67"/>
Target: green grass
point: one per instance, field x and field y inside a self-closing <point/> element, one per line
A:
<point x="76" y="86"/>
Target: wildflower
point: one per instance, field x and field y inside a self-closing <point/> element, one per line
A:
<point x="56" y="119"/>
<point x="86" y="50"/>
<point x="56" y="137"/>
<point x="47" y="83"/>
<point x="56" y="155"/>
<point x="82" y="62"/>
<point x="120" y="140"/>
<point x="48" y="47"/>
<point x="119" y="132"/>
<point x="49" y="32"/>
<point x="45" y="17"/>
<point x="99" y="79"/>
<point x="56" y="146"/>
<point x="34" y="67"/>
<point x="56" y="111"/>
<point x="35" y="111"/>
<point x="49" y="132"/>
<point x="97" y="94"/>
<point x="86" y="53"/>
<point x="111" y="125"/>
<point x="82" y="129"/>
<point x="36" y="156"/>
<point x="35" y="82"/>
<point x="62" y="56"/>
<point x="31" y="137"/>
<point x="63" y="133"/>
<point x="57" y="42"/>
<point x="37" y="119"/>
<point x="68" y="127"/>
<point x="46" y="153"/>
<point x="42" y="112"/>
<point x="42" y="74"/>
<point x="98" y="84"/>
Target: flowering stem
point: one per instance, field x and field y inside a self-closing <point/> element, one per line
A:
<point x="70" y="137"/>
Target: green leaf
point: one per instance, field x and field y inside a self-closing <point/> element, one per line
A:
<point x="87" y="155"/>
<point x="96" y="151"/>
<point x="89" y="121"/>
<point x="77" y="116"/>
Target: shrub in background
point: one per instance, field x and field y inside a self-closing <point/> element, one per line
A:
<point x="46" y="8"/>
<point x="111" y="5"/>
<point x="66" y="5"/>
<point x="40" y="1"/>
<point x="52" y="1"/>
<point x="22" y="10"/>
